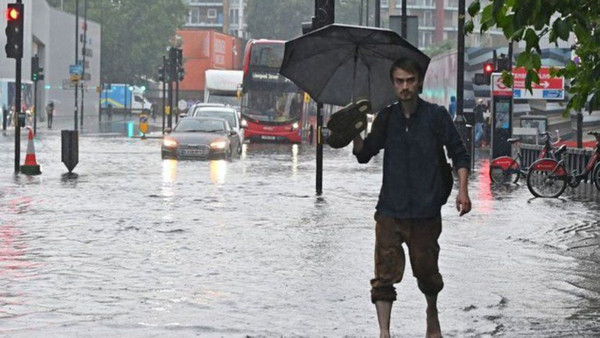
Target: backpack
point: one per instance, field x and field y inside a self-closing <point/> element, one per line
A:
<point x="443" y="165"/>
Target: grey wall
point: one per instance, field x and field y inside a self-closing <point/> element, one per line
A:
<point x="51" y="34"/>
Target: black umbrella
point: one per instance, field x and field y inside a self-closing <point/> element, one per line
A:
<point x="339" y="64"/>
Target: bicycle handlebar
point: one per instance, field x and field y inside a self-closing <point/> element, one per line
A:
<point x="594" y="133"/>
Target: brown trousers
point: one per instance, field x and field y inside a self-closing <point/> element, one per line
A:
<point x="420" y="236"/>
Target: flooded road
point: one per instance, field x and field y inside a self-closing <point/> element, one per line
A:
<point x="136" y="246"/>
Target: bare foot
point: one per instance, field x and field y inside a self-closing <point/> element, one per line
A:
<point x="433" y="325"/>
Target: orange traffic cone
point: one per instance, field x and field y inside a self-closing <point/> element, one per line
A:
<point x="30" y="167"/>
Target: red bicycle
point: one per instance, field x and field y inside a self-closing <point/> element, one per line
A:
<point x="506" y="169"/>
<point x="549" y="178"/>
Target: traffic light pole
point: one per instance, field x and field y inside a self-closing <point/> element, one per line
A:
<point x="170" y="104"/>
<point x="17" y="121"/>
<point x="85" y="3"/>
<point x="164" y="87"/>
<point x="35" y="107"/>
<point x="319" y="185"/>
<point x="76" y="57"/>
<point x="177" y="96"/>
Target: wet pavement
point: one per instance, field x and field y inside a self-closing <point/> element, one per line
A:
<point x="132" y="245"/>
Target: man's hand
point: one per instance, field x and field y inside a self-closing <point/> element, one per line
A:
<point x="463" y="202"/>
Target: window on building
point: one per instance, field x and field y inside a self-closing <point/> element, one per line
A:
<point x="194" y="16"/>
<point x="211" y="13"/>
<point x="385" y="3"/>
<point x="428" y="18"/>
<point x="451" y="4"/>
<point x="425" y="39"/>
<point x="233" y="16"/>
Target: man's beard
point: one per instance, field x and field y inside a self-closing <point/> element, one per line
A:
<point x="406" y="96"/>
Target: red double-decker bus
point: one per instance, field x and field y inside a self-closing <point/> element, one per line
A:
<point x="274" y="108"/>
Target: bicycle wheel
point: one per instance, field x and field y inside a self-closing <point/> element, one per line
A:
<point x="503" y="170"/>
<point x="596" y="175"/>
<point x="546" y="178"/>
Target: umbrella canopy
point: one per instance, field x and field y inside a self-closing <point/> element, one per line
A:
<point x="339" y="64"/>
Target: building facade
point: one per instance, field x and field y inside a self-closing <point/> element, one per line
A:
<point x="438" y="22"/>
<point x="50" y="34"/>
<point x="226" y="16"/>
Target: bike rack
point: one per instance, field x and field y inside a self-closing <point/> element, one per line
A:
<point x="575" y="158"/>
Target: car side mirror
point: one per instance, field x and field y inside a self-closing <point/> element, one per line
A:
<point x="232" y="132"/>
<point x="168" y="130"/>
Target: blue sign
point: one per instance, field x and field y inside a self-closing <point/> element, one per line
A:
<point x="76" y="70"/>
<point x="552" y="94"/>
<point x="516" y="93"/>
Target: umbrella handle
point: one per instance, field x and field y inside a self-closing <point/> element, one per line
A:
<point x="354" y="73"/>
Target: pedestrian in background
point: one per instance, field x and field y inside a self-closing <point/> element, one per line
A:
<point x="412" y="193"/>
<point x="4" y="117"/>
<point x="452" y="107"/>
<point x="50" y="113"/>
<point x="479" y="120"/>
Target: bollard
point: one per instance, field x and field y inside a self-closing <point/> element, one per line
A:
<point x="70" y="148"/>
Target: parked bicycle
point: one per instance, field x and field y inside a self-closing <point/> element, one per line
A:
<point x="506" y="169"/>
<point x="549" y="177"/>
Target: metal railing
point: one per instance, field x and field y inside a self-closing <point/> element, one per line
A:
<point x="575" y="158"/>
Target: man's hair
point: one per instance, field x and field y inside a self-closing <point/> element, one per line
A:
<point x="407" y="65"/>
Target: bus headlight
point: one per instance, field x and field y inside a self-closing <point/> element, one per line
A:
<point x="218" y="145"/>
<point x="295" y="126"/>
<point x="169" y="143"/>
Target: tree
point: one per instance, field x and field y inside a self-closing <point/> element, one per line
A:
<point x="529" y="20"/>
<point x="134" y="36"/>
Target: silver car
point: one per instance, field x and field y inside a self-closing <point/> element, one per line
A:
<point x="200" y="138"/>
<point x="228" y="113"/>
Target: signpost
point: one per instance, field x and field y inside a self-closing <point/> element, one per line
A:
<point x="501" y="116"/>
<point x="549" y="88"/>
<point x="75" y="73"/>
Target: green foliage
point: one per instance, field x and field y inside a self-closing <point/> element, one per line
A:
<point x="529" y="20"/>
<point x="134" y="36"/>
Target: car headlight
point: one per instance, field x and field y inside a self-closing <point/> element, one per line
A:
<point x="218" y="145"/>
<point x="295" y="126"/>
<point x="169" y="143"/>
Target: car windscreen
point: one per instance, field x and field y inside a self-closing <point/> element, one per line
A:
<point x="197" y="125"/>
<point x="229" y="116"/>
<point x="273" y="105"/>
<point x="225" y="99"/>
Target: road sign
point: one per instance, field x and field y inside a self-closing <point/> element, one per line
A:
<point x="498" y="88"/>
<point x="549" y="88"/>
<point x="182" y="105"/>
<point x="143" y="123"/>
<point x="75" y="72"/>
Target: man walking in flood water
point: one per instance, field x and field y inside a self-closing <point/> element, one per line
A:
<point x="412" y="133"/>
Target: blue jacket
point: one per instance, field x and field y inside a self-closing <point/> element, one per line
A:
<point x="412" y="180"/>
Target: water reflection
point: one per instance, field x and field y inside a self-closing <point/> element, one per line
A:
<point x="169" y="171"/>
<point x="218" y="171"/>
<point x="294" y="160"/>
<point x="484" y="196"/>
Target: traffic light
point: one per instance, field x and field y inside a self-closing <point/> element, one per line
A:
<point x="172" y="73"/>
<point x="503" y="63"/>
<point x="324" y="13"/>
<point x="488" y="69"/>
<point x="161" y="74"/>
<point x="181" y="73"/>
<point x="179" y="57"/>
<point x="14" y="31"/>
<point x="35" y="63"/>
